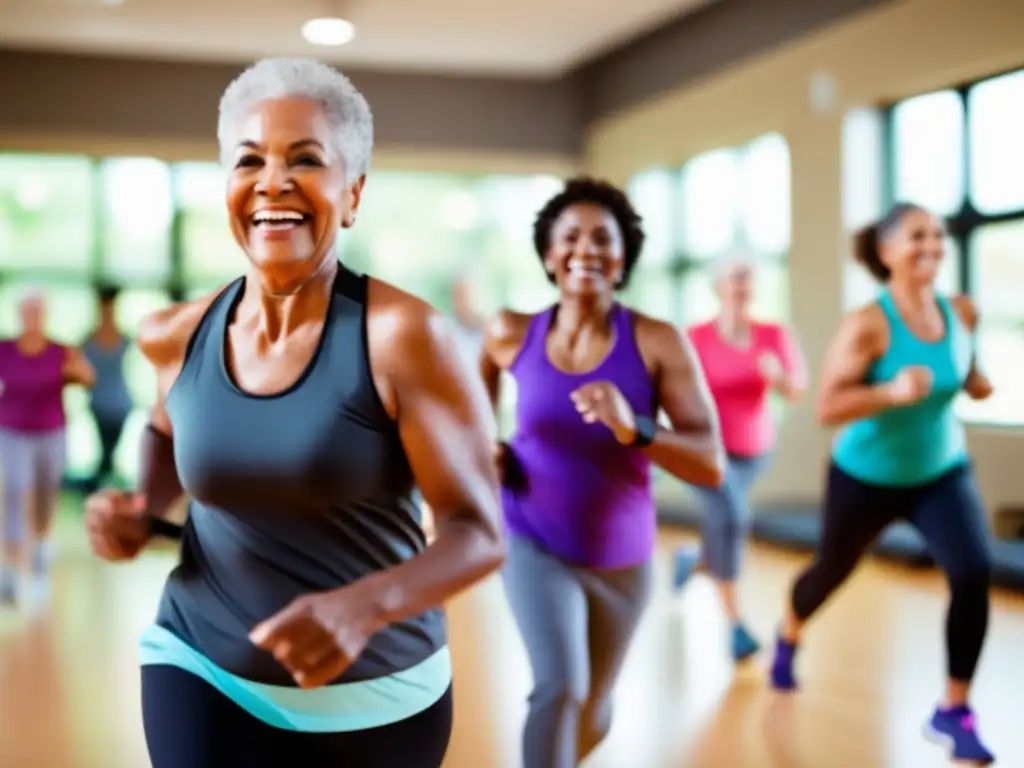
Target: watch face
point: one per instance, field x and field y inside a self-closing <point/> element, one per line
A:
<point x="645" y="429"/>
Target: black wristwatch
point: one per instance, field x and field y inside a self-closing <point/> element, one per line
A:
<point x="646" y="429"/>
<point x="164" y="528"/>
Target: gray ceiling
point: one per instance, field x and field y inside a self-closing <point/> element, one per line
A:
<point x="65" y="94"/>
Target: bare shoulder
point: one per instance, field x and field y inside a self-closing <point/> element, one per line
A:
<point x="966" y="310"/>
<point x="507" y="326"/>
<point x="164" y="335"/>
<point x="662" y="345"/>
<point x="504" y="334"/>
<point x="865" y="329"/>
<point x="654" y="333"/>
<point x="405" y="332"/>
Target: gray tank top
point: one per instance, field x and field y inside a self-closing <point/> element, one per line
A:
<point x="299" y="492"/>
<point x="109" y="397"/>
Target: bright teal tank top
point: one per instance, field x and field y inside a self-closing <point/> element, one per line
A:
<point x="914" y="444"/>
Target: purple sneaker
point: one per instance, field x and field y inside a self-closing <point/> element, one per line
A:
<point x="955" y="728"/>
<point x="782" y="667"/>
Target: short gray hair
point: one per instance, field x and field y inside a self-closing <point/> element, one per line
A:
<point x="31" y="292"/>
<point x="727" y="263"/>
<point x="345" y="107"/>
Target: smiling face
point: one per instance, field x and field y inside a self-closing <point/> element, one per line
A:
<point x="914" y="249"/>
<point x="288" y="192"/>
<point x="586" y="251"/>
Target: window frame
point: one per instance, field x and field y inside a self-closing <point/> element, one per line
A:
<point x="963" y="224"/>
<point x="681" y="264"/>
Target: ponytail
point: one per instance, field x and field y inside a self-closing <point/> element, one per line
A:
<point x="865" y="252"/>
<point x="866" y="240"/>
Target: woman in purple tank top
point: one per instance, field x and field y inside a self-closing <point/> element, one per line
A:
<point x="592" y="378"/>
<point x="33" y="373"/>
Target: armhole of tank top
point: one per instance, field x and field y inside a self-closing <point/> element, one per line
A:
<point x="539" y="320"/>
<point x="628" y="327"/>
<point x="951" y="315"/>
<point x="356" y="287"/>
<point x="202" y="329"/>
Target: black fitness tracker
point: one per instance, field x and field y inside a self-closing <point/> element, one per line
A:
<point x="646" y="429"/>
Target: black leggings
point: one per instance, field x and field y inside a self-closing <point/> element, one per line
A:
<point x="110" y="435"/>
<point x="949" y="515"/>
<point x="190" y="724"/>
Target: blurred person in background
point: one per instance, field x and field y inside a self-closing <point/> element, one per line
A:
<point x="592" y="377"/>
<point x="110" y="400"/>
<point x="34" y="370"/>
<point x="890" y="379"/>
<point x="468" y="335"/>
<point x="469" y="323"/>
<point x="299" y="407"/>
<point x="745" y="361"/>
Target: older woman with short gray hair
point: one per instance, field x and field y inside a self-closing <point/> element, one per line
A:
<point x="299" y="407"/>
<point x="745" y="360"/>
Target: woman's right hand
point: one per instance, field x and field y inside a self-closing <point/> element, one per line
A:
<point x="911" y="385"/>
<point x="117" y="524"/>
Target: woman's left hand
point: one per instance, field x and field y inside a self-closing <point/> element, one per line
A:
<point x="601" y="401"/>
<point x="978" y="385"/>
<point x="316" y="637"/>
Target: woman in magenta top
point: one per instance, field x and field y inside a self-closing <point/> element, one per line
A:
<point x="744" y="361"/>
<point x="33" y="373"/>
<point x="592" y="377"/>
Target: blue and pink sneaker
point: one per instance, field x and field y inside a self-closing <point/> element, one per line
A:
<point x="955" y="728"/>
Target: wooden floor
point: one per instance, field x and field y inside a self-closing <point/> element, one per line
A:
<point x="871" y="671"/>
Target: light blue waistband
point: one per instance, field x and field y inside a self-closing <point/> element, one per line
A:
<point x="331" y="709"/>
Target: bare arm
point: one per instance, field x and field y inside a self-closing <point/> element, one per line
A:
<point x="77" y="369"/>
<point x="844" y="397"/>
<point x="977" y="385"/>
<point x="163" y="339"/>
<point x="691" y="449"/>
<point x="503" y="338"/>
<point x="792" y="383"/>
<point x="448" y="431"/>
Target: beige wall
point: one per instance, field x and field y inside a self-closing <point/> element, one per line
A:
<point x="387" y="157"/>
<point x="907" y="48"/>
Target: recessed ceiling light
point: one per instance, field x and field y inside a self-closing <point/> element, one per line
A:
<point x="328" y="31"/>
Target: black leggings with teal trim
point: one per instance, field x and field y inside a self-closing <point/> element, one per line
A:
<point x="190" y="724"/>
<point x="949" y="515"/>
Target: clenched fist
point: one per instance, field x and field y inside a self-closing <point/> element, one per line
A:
<point x="911" y="385"/>
<point x="117" y="524"/>
<point x="602" y="402"/>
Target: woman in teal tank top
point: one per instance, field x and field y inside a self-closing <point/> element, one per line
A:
<point x="891" y="376"/>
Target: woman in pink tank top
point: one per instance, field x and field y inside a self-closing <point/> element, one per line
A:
<point x="744" y="361"/>
<point x="33" y="373"/>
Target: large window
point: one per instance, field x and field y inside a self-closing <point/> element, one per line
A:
<point x="47" y="215"/>
<point x="959" y="153"/>
<point x="160" y="231"/>
<point x="727" y="201"/>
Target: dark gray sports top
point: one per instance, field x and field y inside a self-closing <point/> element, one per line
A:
<point x="298" y="492"/>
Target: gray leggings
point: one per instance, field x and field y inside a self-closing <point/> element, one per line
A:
<point x="577" y="625"/>
<point x="32" y="466"/>
<point x="727" y="516"/>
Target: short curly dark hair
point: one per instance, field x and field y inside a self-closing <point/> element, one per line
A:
<point x="107" y="292"/>
<point x="584" y="189"/>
